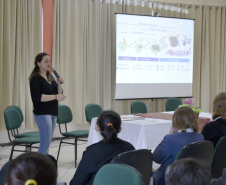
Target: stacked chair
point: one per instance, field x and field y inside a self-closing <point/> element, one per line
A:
<point x="13" y="120"/>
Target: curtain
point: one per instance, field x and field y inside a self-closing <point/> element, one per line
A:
<point x="21" y="40"/>
<point x="84" y="47"/>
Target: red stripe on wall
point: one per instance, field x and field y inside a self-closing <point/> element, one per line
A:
<point x="48" y="8"/>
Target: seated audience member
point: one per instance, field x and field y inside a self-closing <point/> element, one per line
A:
<point x="214" y="130"/>
<point x="32" y="168"/>
<point x="98" y="154"/>
<point x="221" y="180"/>
<point x="184" y="131"/>
<point x="187" y="171"/>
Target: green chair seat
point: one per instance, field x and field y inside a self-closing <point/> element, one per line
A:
<point x="77" y="133"/>
<point x="28" y="134"/>
<point x="27" y="140"/>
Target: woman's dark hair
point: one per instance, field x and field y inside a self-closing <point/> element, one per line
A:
<point x="32" y="165"/>
<point x="187" y="171"/>
<point x="35" y="70"/>
<point x="109" y="123"/>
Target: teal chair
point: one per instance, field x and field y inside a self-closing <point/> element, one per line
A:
<point x="200" y="150"/>
<point x="138" y="107"/>
<point x="65" y="116"/>
<point x="117" y="174"/>
<point x="92" y="110"/>
<point x="13" y="122"/>
<point x="172" y="104"/>
<point x="219" y="158"/>
<point x="25" y="134"/>
<point x="141" y="160"/>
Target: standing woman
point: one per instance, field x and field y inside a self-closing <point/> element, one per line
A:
<point x="45" y="94"/>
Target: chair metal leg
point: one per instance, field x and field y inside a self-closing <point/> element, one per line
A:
<point x="59" y="149"/>
<point x="75" y="152"/>
<point x="11" y="154"/>
<point x="28" y="148"/>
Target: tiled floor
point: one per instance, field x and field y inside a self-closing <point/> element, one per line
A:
<point x="66" y="165"/>
<point x="66" y="162"/>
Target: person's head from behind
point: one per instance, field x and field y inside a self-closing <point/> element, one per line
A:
<point x="187" y="171"/>
<point x="183" y="118"/>
<point x="109" y="125"/>
<point x="32" y="168"/>
<point x="219" y="106"/>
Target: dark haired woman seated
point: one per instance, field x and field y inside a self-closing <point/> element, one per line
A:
<point x="101" y="153"/>
<point x="216" y="129"/>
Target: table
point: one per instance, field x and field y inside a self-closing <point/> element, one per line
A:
<point x="142" y="134"/>
<point x="146" y="133"/>
<point x="202" y="119"/>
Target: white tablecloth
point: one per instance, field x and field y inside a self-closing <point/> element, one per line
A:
<point x="146" y="133"/>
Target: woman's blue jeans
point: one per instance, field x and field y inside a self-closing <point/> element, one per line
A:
<point x="46" y="125"/>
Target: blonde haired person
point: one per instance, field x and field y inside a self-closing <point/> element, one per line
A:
<point x="214" y="130"/>
<point x="184" y="131"/>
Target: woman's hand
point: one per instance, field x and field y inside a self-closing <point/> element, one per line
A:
<point x="60" y="97"/>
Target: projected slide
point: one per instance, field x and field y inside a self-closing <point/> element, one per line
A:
<point x="153" y="51"/>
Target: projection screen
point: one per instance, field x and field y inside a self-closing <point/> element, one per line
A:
<point x="154" y="57"/>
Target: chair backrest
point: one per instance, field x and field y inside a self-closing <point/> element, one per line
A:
<point x="12" y="119"/>
<point x="172" y="104"/>
<point x="138" y="107"/>
<point x="141" y="160"/>
<point x="64" y="114"/>
<point x="3" y="172"/>
<point x="201" y="150"/>
<point x="92" y="110"/>
<point x="18" y="109"/>
<point x="219" y="159"/>
<point x="117" y="174"/>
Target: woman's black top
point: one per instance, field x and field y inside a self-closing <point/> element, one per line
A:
<point x="214" y="130"/>
<point x="95" y="157"/>
<point x="39" y="86"/>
